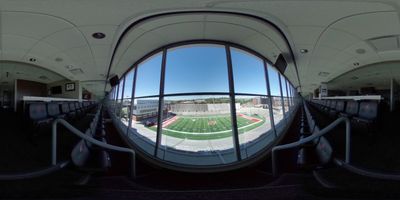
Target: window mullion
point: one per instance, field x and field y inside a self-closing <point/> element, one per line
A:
<point x="132" y="98"/>
<point x="160" y="102"/>
<point x="235" y="131"/>
<point x="271" y="114"/>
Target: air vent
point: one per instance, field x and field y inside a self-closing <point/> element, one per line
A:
<point x="323" y="74"/>
<point x="386" y="43"/>
<point x="76" y="71"/>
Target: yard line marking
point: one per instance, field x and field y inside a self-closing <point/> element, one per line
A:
<point x="211" y="133"/>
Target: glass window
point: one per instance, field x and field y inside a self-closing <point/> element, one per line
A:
<point x="197" y="124"/>
<point x="119" y="97"/>
<point x="248" y="73"/>
<point x="196" y="68"/>
<point x="126" y="100"/>
<point x="143" y="129"/>
<point x="145" y="109"/>
<point x="195" y="116"/>
<point x="148" y="76"/>
<point x="277" y="110"/>
<point x="253" y="122"/>
<point x="284" y="94"/>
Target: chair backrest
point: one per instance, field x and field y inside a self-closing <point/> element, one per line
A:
<point x="64" y="108"/>
<point x="368" y="110"/>
<point x="333" y="104"/>
<point x="340" y="105"/>
<point x="77" y="105"/>
<point x="72" y="106"/>
<point x="53" y="109"/>
<point x="352" y="107"/>
<point x="328" y="103"/>
<point x="37" y="111"/>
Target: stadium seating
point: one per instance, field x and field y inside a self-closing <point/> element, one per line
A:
<point x="41" y="114"/>
<point x="339" y="107"/>
<point x="351" y="109"/>
<point x="53" y="110"/>
<point x="88" y="157"/>
<point x="364" y="115"/>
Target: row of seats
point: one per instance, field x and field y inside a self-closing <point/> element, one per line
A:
<point x="360" y="112"/>
<point x="89" y="157"/>
<point x="39" y="115"/>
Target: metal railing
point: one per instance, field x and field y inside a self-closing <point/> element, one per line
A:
<point x="89" y="139"/>
<point x="312" y="137"/>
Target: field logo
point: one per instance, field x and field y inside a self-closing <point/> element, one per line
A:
<point x="212" y="123"/>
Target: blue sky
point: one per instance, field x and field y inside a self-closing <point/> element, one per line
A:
<point x="202" y="68"/>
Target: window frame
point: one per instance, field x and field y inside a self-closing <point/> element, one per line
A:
<point x="267" y="64"/>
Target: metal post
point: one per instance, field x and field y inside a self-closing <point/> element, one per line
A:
<point x="271" y="112"/>
<point x="348" y="141"/>
<point x="54" y="144"/>
<point x="235" y="131"/>
<point x="160" y="103"/>
<point x="132" y="99"/>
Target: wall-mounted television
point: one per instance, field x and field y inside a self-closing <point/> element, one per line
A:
<point x="56" y="90"/>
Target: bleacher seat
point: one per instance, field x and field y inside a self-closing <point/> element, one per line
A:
<point x="53" y="110"/>
<point x="368" y="112"/>
<point x="351" y="109"/>
<point x="38" y="113"/>
<point x="339" y="108"/>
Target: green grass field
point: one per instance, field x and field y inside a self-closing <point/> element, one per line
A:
<point x="210" y="127"/>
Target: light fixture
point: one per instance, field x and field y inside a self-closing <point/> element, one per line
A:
<point x="356" y="64"/>
<point x="303" y="50"/>
<point x="360" y="51"/>
<point x="69" y="67"/>
<point x="76" y="71"/>
<point x="323" y="74"/>
<point x="99" y="35"/>
<point x="32" y="59"/>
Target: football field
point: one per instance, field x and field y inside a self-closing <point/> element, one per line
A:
<point x="208" y="127"/>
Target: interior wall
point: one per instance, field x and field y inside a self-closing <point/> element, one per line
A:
<point x="76" y="94"/>
<point x="28" y="88"/>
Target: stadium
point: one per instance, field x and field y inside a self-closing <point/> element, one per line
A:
<point x="193" y="124"/>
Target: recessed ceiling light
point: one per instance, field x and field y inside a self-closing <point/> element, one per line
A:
<point x="360" y="51"/>
<point x="303" y="50"/>
<point x="69" y="67"/>
<point x="356" y="64"/>
<point x="323" y="74"/>
<point x="76" y="71"/>
<point x="58" y="59"/>
<point x="32" y="59"/>
<point x="99" y="35"/>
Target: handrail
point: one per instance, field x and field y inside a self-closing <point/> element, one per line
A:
<point x="312" y="137"/>
<point x="89" y="139"/>
<point x="366" y="172"/>
<point x="34" y="174"/>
